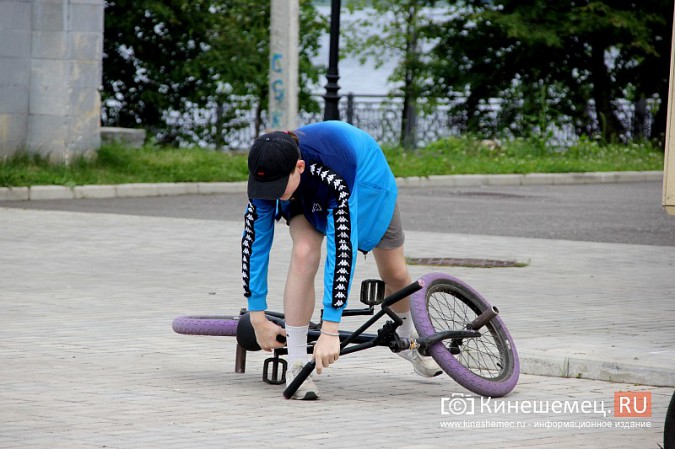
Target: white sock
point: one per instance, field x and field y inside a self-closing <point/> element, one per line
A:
<point x="406" y="329"/>
<point x="296" y="340"/>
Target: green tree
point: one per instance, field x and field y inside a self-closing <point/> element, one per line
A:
<point x="399" y="35"/>
<point x="166" y="61"/>
<point x="568" y="59"/>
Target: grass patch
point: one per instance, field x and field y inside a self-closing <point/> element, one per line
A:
<point x="119" y="165"/>
<point x="464" y="155"/>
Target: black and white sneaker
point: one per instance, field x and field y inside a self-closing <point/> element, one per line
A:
<point x="308" y="390"/>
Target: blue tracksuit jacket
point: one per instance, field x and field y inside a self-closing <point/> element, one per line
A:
<point x="347" y="192"/>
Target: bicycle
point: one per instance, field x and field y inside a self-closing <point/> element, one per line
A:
<point x="459" y="328"/>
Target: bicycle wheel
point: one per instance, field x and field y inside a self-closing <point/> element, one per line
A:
<point x="223" y="326"/>
<point x="487" y="365"/>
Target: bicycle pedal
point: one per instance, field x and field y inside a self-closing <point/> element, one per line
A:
<point x="275" y="377"/>
<point x="372" y="292"/>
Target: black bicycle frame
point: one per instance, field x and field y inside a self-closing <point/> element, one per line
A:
<point x="360" y="341"/>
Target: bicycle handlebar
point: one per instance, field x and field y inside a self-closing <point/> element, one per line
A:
<point x="299" y="379"/>
<point x="405" y="291"/>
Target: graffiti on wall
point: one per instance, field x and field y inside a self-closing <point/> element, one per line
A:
<point x="277" y="91"/>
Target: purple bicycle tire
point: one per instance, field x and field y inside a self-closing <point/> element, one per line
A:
<point x="495" y="387"/>
<point x="219" y="326"/>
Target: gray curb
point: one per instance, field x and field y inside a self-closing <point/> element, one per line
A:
<point x="36" y="193"/>
<point x="580" y="368"/>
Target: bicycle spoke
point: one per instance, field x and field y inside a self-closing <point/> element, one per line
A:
<point x="482" y="355"/>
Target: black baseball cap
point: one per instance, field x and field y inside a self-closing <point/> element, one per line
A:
<point x="271" y="161"/>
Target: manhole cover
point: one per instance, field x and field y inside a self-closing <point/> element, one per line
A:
<point x="479" y="194"/>
<point x="463" y="262"/>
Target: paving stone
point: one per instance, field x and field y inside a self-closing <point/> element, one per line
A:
<point x="14" y="193"/>
<point x="94" y="191"/>
<point x="50" y="193"/>
<point x="88" y="301"/>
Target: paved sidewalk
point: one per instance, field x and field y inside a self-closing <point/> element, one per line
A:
<point x="89" y="358"/>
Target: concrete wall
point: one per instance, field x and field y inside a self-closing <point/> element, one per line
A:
<point x="50" y="72"/>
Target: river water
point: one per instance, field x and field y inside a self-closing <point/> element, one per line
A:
<point x="354" y="77"/>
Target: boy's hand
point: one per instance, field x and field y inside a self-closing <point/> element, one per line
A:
<point x="327" y="347"/>
<point x="266" y="331"/>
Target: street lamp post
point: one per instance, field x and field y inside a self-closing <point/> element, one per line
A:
<point x="331" y="98"/>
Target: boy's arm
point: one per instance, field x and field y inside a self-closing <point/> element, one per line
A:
<point x="256" y="243"/>
<point x="342" y="247"/>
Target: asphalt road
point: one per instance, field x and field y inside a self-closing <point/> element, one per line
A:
<point x="615" y="213"/>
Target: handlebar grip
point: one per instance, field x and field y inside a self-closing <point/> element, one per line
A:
<point x="299" y="379"/>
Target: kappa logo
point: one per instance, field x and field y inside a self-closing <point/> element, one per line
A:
<point x="342" y="225"/>
<point x="246" y="244"/>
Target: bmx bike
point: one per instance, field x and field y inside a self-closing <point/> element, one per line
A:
<point x="457" y="327"/>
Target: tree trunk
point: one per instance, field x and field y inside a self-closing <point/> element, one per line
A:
<point x="409" y="113"/>
<point x="610" y="126"/>
<point x="658" y="131"/>
<point x="639" y="119"/>
<point x="258" y="119"/>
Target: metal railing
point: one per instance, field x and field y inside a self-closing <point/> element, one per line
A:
<point x="378" y="115"/>
<point x="381" y="117"/>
